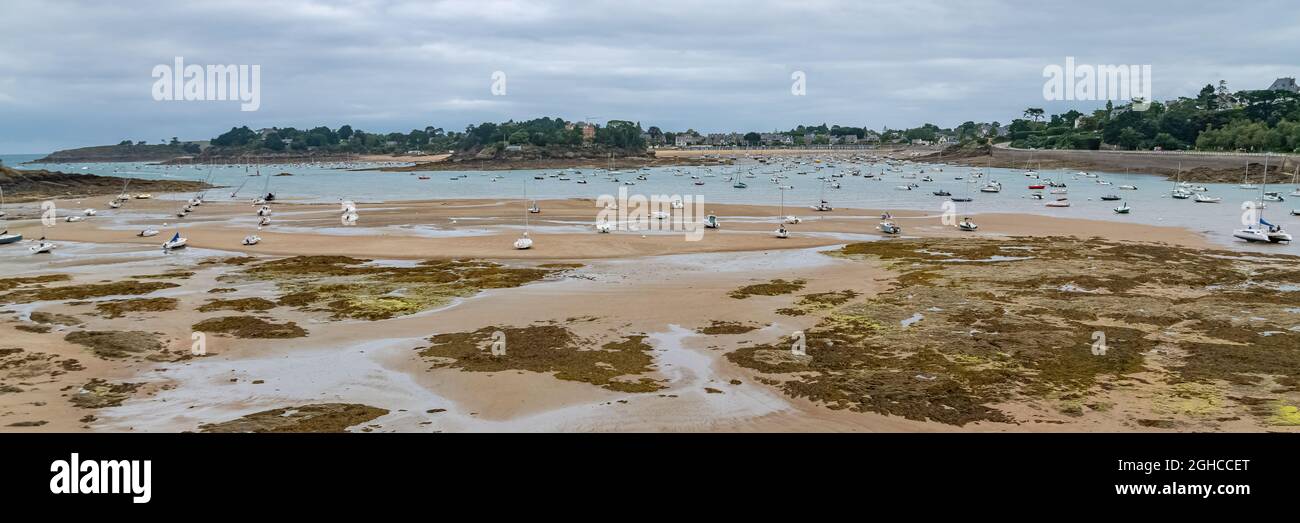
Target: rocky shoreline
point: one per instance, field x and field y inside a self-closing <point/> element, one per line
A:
<point x="33" y="185"/>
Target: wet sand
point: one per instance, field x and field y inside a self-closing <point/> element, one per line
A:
<point x="659" y="285"/>
<point x="563" y="230"/>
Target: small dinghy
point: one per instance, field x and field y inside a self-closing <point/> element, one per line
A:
<point x="782" y="232"/>
<point x="1128" y="187"/>
<point x="1123" y="209"/>
<point x="114" y="204"/>
<point x="942" y="193"/>
<point x="252" y="239"/>
<point x="1110" y="198"/>
<point x="824" y="206"/>
<point x="177" y="242"/>
<point x="264" y="211"/>
<point x="73" y="219"/>
<point x="793" y="220"/>
<point x="534" y="208"/>
<point x="89" y="212"/>
<point x="42" y="247"/>
<point x="264" y="221"/>
<point x="890" y="228"/>
<point x="604" y="227"/>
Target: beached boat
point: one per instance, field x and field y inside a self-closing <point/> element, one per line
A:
<point x="889" y="227"/>
<point x="604" y="227"/>
<point x="6" y="237"/>
<point x="711" y="222"/>
<point x="42" y="246"/>
<point x="782" y="232"/>
<point x="967" y="225"/>
<point x="147" y="232"/>
<point x="252" y="239"/>
<point x="177" y="242"/>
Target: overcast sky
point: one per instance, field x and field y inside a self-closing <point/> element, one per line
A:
<point x="79" y="73"/>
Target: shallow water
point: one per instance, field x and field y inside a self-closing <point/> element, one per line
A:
<point x="1151" y="203"/>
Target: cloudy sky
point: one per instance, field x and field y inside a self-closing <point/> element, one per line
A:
<point x="79" y="73"/>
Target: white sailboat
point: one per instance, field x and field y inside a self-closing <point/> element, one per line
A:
<point x="177" y="242"/>
<point x="1262" y="230"/>
<point x="1245" y="180"/>
<point x="5" y="237"/>
<point x="525" y="242"/>
<point x="1123" y="208"/>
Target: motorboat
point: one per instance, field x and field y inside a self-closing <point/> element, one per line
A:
<point x="252" y="239"/>
<point x="1123" y="208"/>
<point x="711" y="222"/>
<point x="889" y="227"/>
<point x="147" y="232"/>
<point x="1128" y="187"/>
<point x="967" y="225"/>
<point x="1061" y="202"/>
<point x="1110" y="198"/>
<point x="1201" y="198"/>
<point x="782" y="232"/>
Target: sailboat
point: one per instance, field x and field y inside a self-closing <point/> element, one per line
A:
<point x="823" y="205"/>
<point x="525" y="242"/>
<point x="1123" y="208"/>
<point x="1295" y="180"/>
<point x="1179" y="191"/>
<point x="177" y="242"/>
<point x="6" y="237"/>
<point x="1245" y="180"/>
<point x="1262" y="230"/>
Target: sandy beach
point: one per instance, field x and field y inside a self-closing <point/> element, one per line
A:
<point x="657" y="333"/>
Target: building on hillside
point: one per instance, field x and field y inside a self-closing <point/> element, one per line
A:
<point x="687" y="140"/>
<point x="588" y="133"/>
<point x="1285" y="84"/>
